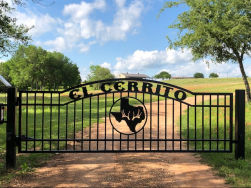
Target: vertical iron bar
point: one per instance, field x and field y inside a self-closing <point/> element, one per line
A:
<point x="120" y="137"/>
<point x="150" y="122"/>
<point x="50" y="120"/>
<point x="180" y="126"/>
<point x="188" y="136"/>
<point x="11" y="129"/>
<point x="128" y="95"/>
<point x="217" y="123"/>
<point x="195" y="121"/>
<point x="20" y="120"/>
<point x="165" y="121"/>
<point x="90" y="124"/>
<point x="105" y="119"/>
<point x="97" y="120"/>
<point x="27" y="121"/>
<point x="74" y="125"/>
<point x="225" y="121"/>
<point x="82" y="126"/>
<point x="58" y="118"/>
<point x="35" y="112"/>
<point x="143" y="133"/>
<point x="173" y="125"/>
<point x="210" y="123"/>
<point x="43" y="122"/>
<point x="202" y="122"/>
<point x="240" y="124"/>
<point x="112" y="126"/>
<point x="158" y="125"/>
<point x="231" y="123"/>
<point x="66" y="127"/>
<point x="135" y="134"/>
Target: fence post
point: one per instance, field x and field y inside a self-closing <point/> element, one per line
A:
<point x="11" y="128"/>
<point x="240" y="124"/>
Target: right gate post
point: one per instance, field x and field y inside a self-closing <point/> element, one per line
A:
<point x="239" y="124"/>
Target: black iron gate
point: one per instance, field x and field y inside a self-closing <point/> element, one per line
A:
<point x="128" y="115"/>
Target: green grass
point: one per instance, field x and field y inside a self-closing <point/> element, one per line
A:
<point x="238" y="173"/>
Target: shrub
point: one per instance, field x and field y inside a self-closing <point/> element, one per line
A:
<point x="198" y="75"/>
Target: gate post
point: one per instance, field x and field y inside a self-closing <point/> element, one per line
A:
<point x="11" y="129"/>
<point x="240" y="124"/>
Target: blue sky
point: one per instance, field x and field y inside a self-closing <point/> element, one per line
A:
<point x="122" y="35"/>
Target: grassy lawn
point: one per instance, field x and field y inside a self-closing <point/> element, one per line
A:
<point x="238" y="173"/>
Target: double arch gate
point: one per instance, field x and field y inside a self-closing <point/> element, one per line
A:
<point x="124" y="115"/>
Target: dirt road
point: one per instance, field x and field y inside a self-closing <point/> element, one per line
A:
<point x="124" y="169"/>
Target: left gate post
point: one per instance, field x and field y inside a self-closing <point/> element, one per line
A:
<point x="11" y="129"/>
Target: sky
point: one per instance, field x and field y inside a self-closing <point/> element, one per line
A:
<point x="122" y="35"/>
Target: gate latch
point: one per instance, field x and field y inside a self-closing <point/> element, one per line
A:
<point x="1" y="113"/>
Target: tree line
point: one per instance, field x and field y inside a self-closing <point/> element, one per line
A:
<point x="165" y="75"/>
<point x="35" y="68"/>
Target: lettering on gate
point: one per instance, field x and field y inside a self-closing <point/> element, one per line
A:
<point x="131" y="86"/>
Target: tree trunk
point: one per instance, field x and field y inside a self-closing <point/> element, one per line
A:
<point x="244" y="77"/>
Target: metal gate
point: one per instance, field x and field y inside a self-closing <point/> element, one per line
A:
<point x="128" y="115"/>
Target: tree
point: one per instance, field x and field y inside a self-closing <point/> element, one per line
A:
<point x="11" y="34"/>
<point x="99" y="73"/>
<point x="35" y="67"/>
<point x="219" y="29"/>
<point x="213" y="75"/>
<point x="198" y="75"/>
<point x="163" y="75"/>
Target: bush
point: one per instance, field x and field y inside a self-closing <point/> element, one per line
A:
<point x="163" y="75"/>
<point x="198" y="75"/>
<point x="213" y="75"/>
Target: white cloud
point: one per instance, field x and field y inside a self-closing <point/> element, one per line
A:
<point x="58" y="44"/>
<point x="106" y="65"/>
<point x="126" y="20"/>
<point x="85" y="47"/>
<point x="140" y="59"/>
<point x="120" y="3"/>
<point x="41" y="23"/>
<point x="81" y="27"/>
<point x="176" y="62"/>
<point x="82" y="10"/>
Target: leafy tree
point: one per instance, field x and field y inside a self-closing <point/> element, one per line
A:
<point x="163" y="75"/>
<point x="11" y="34"/>
<point x="213" y="75"/>
<point x="4" y="71"/>
<point x="60" y="71"/>
<point x="198" y="75"/>
<point x="219" y="29"/>
<point x="34" y="67"/>
<point x="99" y="73"/>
